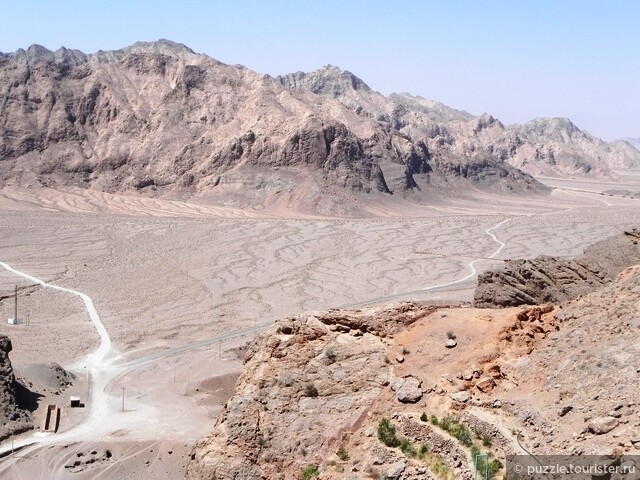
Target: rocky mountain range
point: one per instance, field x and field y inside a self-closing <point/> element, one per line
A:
<point x="158" y="119"/>
<point x="544" y="146"/>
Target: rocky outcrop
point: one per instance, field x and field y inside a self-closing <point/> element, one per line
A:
<point x="14" y="419"/>
<point x="588" y="365"/>
<point x="407" y="389"/>
<point x="555" y="280"/>
<point x="556" y="145"/>
<point x="305" y="385"/>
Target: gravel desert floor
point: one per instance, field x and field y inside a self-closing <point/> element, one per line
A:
<point x="167" y="276"/>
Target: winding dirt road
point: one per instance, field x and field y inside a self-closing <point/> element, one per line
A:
<point x="96" y="363"/>
<point x="442" y="286"/>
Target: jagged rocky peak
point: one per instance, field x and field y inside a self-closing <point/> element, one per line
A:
<point x="437" y="111"/>
<point x="329" y="81"/>
<point x="551" y="127"/>
<point x="158" y="47"/>
<point x="37" y="54"/>
<point x="485" y="120"/>
<point x="163" y="46"/>
<point x="69" y="56"/>
<point x="633" y="141"/>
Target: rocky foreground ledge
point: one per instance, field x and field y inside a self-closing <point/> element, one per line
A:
<point x="305" y="386"/>
<point x="414" y="391"/>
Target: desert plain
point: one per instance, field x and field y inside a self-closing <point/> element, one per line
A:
<point x="181" y="287"/>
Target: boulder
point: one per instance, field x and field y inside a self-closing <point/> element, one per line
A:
<point x="395" y="470"/>
<point x="467" y="375"/>
<point x="407" y="389"/>
<point x="485" y="384"/>
<point x="602" y="425"/>
<point x="460" y="397"/>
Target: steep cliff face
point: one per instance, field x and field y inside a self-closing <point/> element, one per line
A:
<point x="304" y="387"/>
<point x="14" y="419"/>
<point x="555" y="280"/>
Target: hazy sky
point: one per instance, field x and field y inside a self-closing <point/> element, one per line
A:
<point x="514" y="59"/>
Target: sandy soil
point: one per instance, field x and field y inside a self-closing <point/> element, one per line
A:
<point x="122" y="460"/>
<point x="164" y="274"/>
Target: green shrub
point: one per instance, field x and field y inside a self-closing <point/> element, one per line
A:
<point x="434" y="420"/>
<point x="387" y="433"/>
<point x="424" y="417"/>
<point x="439" y="468"/>
<point x="475" y="450"/>
<point x="461" y="432"/>
<point x="407" y="448"/>
<point x="445" y="423"/>
<point x="342" y="454"/>
<point x="486" y="440"/>
<point x="310" y="390"/>
<point x="424" y="449"/>
<point x="464" y="437"/>
<point x="484" y="463"/>
<point x="310" y="471"/>
<point x="331" y="355"/>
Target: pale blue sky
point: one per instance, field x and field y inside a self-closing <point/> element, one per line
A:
<point x="514" y="59"/>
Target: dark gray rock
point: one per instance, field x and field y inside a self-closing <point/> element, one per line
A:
<point x="556" y="280"/>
